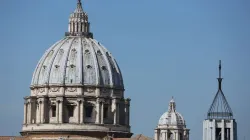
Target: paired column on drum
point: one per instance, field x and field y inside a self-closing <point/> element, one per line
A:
<point x="38" y="111"/>
<point x="115" y="105"/>
<point x="164" y="135"/>
<point x="80" y="105"/>
<point x="59" y="109"/>
<point x="42" y="104"/>
<point x="32" y="111"/>
<point x="157" y="134"/>
<point x="28" y="110"/>
<point x="100" y="111"/>
<point x="167" y="135"/>
<point x="98" y="107"/>
<point x="25" y="112"/>
<point x="127" y="111"/>
<point x="177" y="135"/>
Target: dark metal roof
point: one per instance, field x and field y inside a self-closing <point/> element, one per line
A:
<point x="220" y="108"/>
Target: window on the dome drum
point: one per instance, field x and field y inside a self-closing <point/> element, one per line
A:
<point x="105" y="111"/>
<point x="71" y="110"/>
<point x="88" y="111"/>
<point x="53" y="111"/>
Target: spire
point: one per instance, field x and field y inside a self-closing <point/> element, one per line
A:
<point x="78" y="23"/>
<point x="220" y="108"/>
<point x="220" y="79"/>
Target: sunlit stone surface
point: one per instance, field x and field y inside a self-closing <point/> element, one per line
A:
<point x="77" y="89"/>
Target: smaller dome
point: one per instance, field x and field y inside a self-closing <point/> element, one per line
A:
<point x="171" y="117"/>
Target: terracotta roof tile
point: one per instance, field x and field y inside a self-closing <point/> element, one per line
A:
<point x="137" y="137"/>
<point x="121" y="139"/>
<point x="14" y="138"/>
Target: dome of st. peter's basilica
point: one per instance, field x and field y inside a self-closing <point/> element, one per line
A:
<point x="77" y="88"/>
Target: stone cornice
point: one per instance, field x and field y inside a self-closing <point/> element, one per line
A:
<point x="88" y="127"/>
<point x="42" y="96"/>
<point x="77" y="86"/>
<point x="30" y="97"/>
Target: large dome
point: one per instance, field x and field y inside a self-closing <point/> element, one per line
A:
<point x="171" y="117"/>
<point x="77" y="60"/>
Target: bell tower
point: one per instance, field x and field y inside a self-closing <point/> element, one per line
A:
<point x="220" y="124"/>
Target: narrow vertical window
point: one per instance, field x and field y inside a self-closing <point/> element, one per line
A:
<point x="88" y="111"/>
<point x="105" y="111"/>
<point x="71" y="109"/>
<point x="53" y="111"/>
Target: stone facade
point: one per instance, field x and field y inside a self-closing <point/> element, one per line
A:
<point x="77" y="89"/>
<point x="83" y="114"/>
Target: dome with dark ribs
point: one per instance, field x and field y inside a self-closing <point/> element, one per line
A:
<point x="77" y="59"/>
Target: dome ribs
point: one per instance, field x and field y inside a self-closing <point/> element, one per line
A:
<point x="98" y="61"/>
<point x="119" y="73"/>
<point x="116" y="72"/>
<point x="56" y="80"/>
<point x="37" y="71"/>
<point x="72" y="68"/>
<point x="94" y="63"/>
<point x="78" y="60"/>
<point x="81" y="62"/>
<point x="105" y="64"/>
<point x="48" y="62"/>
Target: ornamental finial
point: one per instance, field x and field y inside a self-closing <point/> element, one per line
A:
<point x="79" y="2"/>
<point x="172" y="106"/>
<point x="79" y="7"/>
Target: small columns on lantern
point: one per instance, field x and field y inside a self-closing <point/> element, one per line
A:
<point x="78" y="23"/>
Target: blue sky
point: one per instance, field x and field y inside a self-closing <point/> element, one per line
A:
<point x="164" y="48"/>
